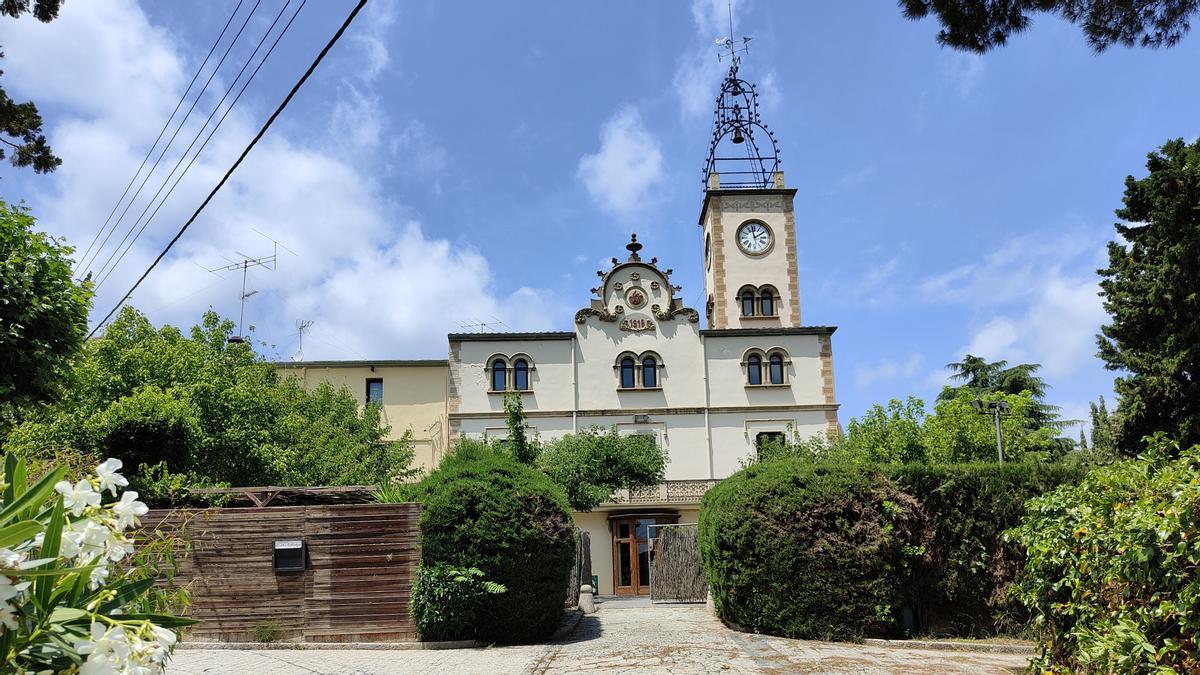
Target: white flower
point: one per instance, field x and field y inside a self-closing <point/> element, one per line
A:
<point x="98" y="665"/>
<point x="9" y="590"/>
<point x="84" y="539"/>
<point x="128" y="510"/>
<point x="98" y="576"/>
<point x="117" y="547"/>
<point x="77" y="497"/>
<point x="8" y="618"/>
<point x="10" y="559"/>
<point x="165" y="640"/>
<point x="109" y="478"/>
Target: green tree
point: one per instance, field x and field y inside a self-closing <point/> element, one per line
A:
<point x="591" y="465"/>
<point x="21" y="121"/>
<point x="522" y="448"/>
<point x="956" y="432"/>
<point x="889" y="435"/>
<point x="981" y="25"/>
<point x="43" y="315"/>
<point x="1151" y="289"/>
<point x="199" y="411"/>
<point x="1102" y="428"/>
<point x="981" y="376"/>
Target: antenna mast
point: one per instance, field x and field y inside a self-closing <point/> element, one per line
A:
<point x="301" y="326"/>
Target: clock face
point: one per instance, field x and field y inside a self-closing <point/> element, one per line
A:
<point x="754" y="238"/>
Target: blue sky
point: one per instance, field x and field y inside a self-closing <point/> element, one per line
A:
<point x="457" y="161"/>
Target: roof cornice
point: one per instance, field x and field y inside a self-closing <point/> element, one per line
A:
<point x="737" y="332"/>
<point x="386" y="363"/>
<point x="505" y="337"/>
<point x="709" y="194"/>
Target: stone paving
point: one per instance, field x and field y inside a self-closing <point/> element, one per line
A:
<point x="621" y="637"/>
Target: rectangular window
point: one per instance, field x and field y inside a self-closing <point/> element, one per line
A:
<point x="375" y="390"/>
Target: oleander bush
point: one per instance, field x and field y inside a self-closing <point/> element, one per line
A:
<point x="76" y="595"/>
<point x="808" y="551"/>
<point x="1112" y="573"/>
<point x="482" y="509"/>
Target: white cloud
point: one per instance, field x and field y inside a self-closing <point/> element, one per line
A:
<point x="887" y="369"/>
<point x="622" y="173"/>
<point x="1038" y="299"/>
<point x="371" y="36"/>
<point x="371" y="279"/>
<point x="698" y="73"/>
<point x="873" y="287"/>
<point x="963" y="71"/>
<point x="358" y="119"/>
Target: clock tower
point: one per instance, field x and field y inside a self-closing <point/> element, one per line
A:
<point x="747" y="223"/>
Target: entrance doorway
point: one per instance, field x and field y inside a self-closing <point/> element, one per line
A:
<point x="633" y="551"/>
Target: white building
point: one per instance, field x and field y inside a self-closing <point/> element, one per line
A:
<point x="639" y="360"/>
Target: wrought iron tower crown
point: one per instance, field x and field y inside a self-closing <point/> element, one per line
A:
<point x="742" y="153"/>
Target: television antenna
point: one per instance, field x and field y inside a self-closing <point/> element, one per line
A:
<point x="482" y="326"/>
<point x="244" y="264"/>
<point x="301" y="326"/>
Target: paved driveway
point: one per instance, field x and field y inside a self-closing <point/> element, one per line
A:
<point x="621" y="637"/>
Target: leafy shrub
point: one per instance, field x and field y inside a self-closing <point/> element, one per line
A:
<point x="1111" y="567"/>
<point x="204" y="411"/>
<point x="446" y="601"/>
<point x="594" y="463"/>
<point x="961" y="584"/>
<point x="268" y="630"/>
<point x="483" y="509"/>
<point x="808" y="551"/>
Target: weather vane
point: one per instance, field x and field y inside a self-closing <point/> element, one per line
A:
<point x="727" y="44"/>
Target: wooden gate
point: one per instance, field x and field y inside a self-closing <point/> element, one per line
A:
<point x="677" y="572"/>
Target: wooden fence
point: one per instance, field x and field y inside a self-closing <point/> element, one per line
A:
<point x="355" y="585"/>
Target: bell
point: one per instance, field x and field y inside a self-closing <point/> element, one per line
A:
<point x="738" y="137"/>
<point x="737" y="89"/>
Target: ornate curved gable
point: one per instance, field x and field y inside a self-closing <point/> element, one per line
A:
<point x="636" y="295"/>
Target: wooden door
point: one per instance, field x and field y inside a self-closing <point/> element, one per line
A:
<point x="633" y="553"/>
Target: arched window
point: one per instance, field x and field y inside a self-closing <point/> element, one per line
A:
<point x="649" y="372"/>
<point x="767" y="298"/>
<point x="747" y="302"/>
<point x="754" y="369"/>
<point x="628" y="371"/>
<point x="776" y="369"/>
<point x="499" y="375"/>
<point x="521" y="375"/>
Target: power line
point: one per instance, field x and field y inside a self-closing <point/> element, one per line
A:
<point x="199" y="132"/>
<point x="162" y="131"/>
<point x="83" y="260"/>
<point x="261" y="132"/>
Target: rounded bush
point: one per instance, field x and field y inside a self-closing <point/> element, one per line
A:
<point x="483" y="509"/>
<point x="808" y="551"/>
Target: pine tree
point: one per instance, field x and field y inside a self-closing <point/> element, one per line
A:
<point x="1083" y="446"/>
<point x="1151" y="289"/>
<point x="1102" y="428"/>
<point x="21" y="121"/>
<point x="980" y="25"/>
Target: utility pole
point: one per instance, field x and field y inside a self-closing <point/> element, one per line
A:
<point x="996" y="409"/>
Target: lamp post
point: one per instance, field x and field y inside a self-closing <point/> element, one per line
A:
<point x="996" y="409"/>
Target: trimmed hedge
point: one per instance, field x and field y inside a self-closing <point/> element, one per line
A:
<point x="839" y="551"/>
<point x="483" y="509"/>
<point x="962" y="583"/>
<point x="807" y="551"/>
